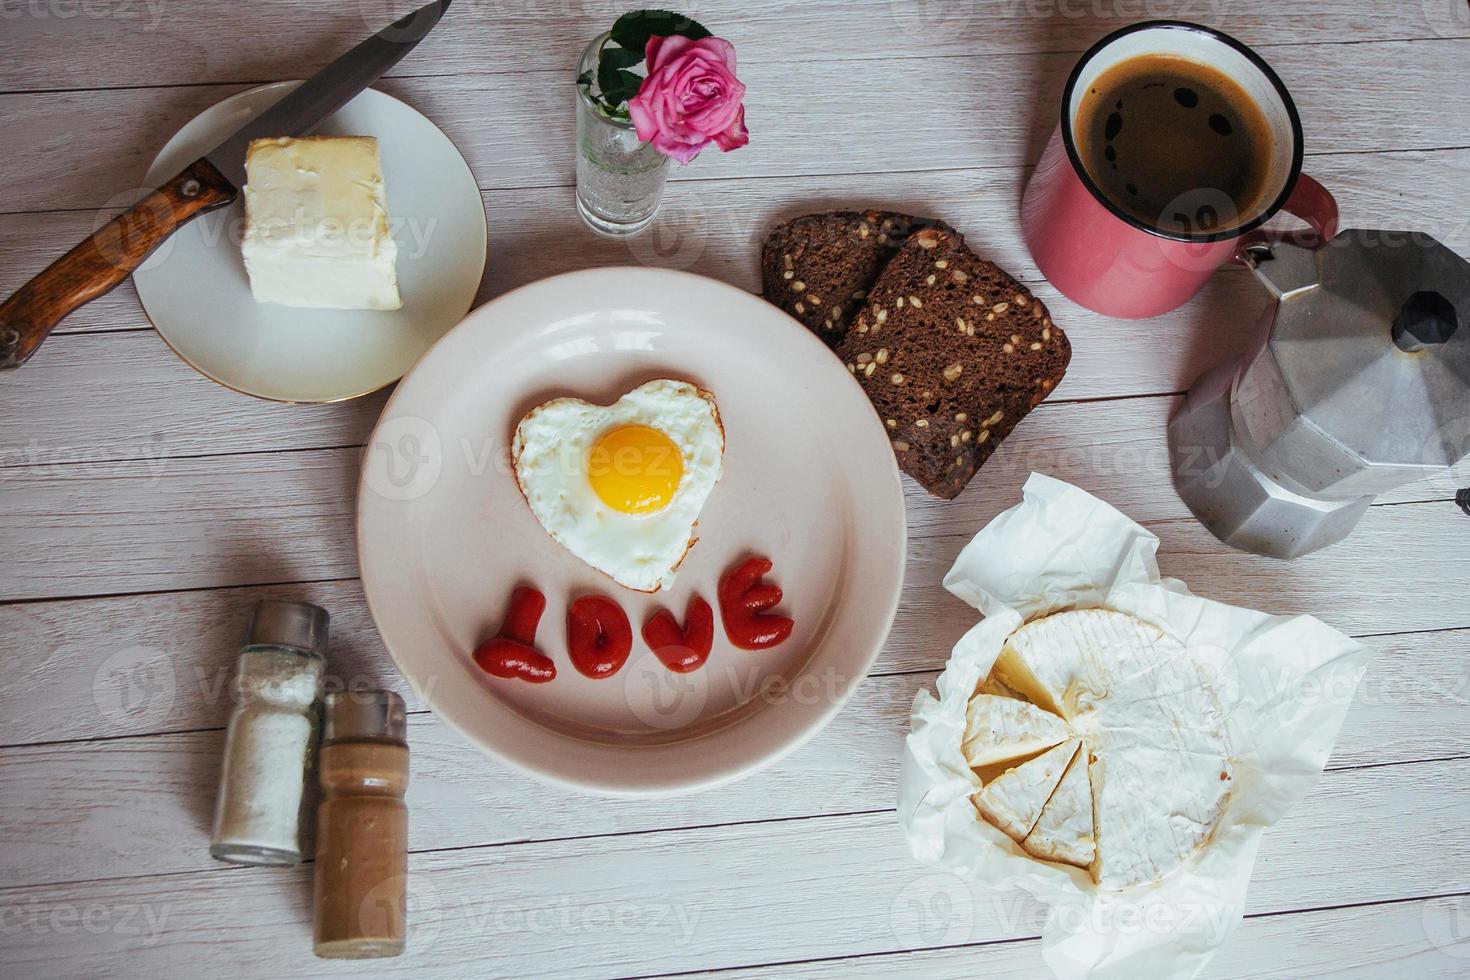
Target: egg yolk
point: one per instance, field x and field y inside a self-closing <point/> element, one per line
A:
<point x="635" y="469"/>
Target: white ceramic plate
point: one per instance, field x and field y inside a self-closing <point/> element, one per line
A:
<point x="809" y="481"/>
<point x="195" y="291"/>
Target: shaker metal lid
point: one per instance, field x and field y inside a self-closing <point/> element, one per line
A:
<point x="1372" y="339"/>
<point x="277" y="622"/>
<point x="376" y="714"/>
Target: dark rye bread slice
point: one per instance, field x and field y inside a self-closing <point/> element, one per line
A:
<point x="953" y="353"/>
<point x="819" y="267"/>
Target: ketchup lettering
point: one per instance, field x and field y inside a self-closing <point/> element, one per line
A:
<point x="512" y="653"/>
<point x="744" y="597"/>
<point x="682" y="650"/>
<point x="599" y="636"/>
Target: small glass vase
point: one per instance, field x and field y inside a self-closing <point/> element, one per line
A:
<point x="620" y="179"/>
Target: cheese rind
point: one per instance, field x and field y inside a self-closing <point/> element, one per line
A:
<point x="1014" y="800"/>
<point x="316" y="224"/>
<point x="998" y="729"/>
<point x="1064" y="831"/>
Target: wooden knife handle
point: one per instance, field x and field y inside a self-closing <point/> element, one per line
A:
<point x="106" y="258"/>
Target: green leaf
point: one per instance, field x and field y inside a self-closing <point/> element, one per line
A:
<point x="618" y="84"/>
<point x="620" y="57"/>
<point x="613" y="79"/>
<point x="585" y="78"/>
<point x="633" y="29"/>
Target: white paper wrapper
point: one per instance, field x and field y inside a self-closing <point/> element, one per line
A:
<point x="1289" y="682"/>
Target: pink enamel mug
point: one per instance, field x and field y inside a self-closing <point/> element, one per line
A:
<point x="1109" y="261"/>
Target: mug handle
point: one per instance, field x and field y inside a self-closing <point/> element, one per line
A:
<point x="1309" y="201"/>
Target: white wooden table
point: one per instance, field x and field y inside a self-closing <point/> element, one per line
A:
<point x="144" y="509"/>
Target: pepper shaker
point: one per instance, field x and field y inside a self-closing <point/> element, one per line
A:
<point x="272" y="730"/>
<point x="362" y="828"/>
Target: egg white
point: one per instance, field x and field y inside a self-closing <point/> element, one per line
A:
<point x="550" y="451"/>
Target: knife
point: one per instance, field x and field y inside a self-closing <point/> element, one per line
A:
<point x="112" y="253"/>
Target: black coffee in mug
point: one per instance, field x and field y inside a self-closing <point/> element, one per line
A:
<point x="1175" y="143"/>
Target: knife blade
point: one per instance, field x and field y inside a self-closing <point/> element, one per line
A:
<point x="107" y="257"/>
<point x="315" y="99"/>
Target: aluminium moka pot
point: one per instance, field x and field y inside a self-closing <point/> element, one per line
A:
<point x="1358" y="382"/>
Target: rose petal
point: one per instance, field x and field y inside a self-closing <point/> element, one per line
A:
<point x="644" y="122"/>
<point x="682" y="152"/>
<point x="722" y="49"/>
<point x="650" y="52"/>
<point x="736" y="136"/>
<point x="661" y="50"/>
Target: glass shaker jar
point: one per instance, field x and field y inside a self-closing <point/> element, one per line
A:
<point x="272" y="732"/>
<point x="362" y="828"/>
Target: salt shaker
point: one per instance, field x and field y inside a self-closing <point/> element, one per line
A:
<point x="272" y="732"/>
<point x="362" y="828"/>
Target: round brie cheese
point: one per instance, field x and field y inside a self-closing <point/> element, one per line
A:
<point x="1153" y="776"/>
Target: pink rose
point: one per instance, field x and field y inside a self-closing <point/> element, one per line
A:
<point x="691" y="97"/>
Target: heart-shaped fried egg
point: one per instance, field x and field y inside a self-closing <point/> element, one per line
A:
<point x="621" y="486"/>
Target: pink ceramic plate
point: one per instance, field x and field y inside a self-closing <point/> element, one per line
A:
<point x="809" y="481"/>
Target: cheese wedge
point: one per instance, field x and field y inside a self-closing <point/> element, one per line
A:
<point x="1064" y="831"/>
<point x="1071" y="661"/>
<point x="1154" y="809"/>
<point x="316" y="224"/>
<point x="1013" y="801"/>
<point x="998" y="729"/>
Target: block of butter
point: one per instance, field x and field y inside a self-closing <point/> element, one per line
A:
<point x="316" y="224"/>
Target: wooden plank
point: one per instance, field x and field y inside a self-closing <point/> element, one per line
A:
<point x="158" y="406"/>
<point x="101" y="668"/>
<point x="158" y="790"/>
<point x="714" y="227"/>
<point x="144" y="42"/>
<point x="162" y="524"/>
<point x="235" y="519"/>
<point x="1366" y="942"/>
<point x="1346" y="585"/>
<point x="260" y="517"/>
<point x="137" y="665"/>
<point x="82" y="150"/>
<point x="827" y="887"/>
